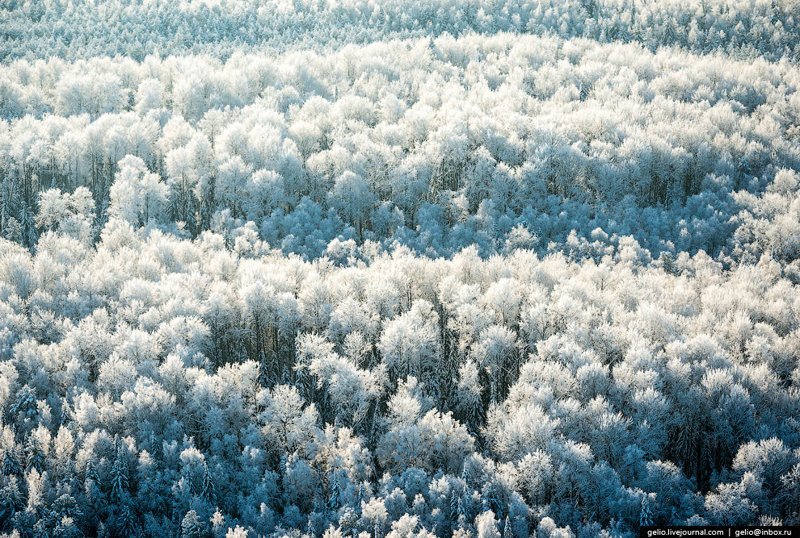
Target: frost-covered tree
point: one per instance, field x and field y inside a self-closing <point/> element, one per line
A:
<point x="398" y="269"/>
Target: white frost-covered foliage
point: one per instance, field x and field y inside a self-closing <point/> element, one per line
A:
<point x="78" y="29"/>
<point x="398" y="269"/>
<point x="147" y="378"/>
<point x="505" y="142"/>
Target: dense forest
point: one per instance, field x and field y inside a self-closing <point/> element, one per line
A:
<point x="398" y="269"/>
<point x="76" y="29"/>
